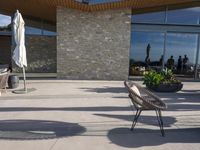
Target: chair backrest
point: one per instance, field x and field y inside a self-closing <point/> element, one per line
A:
<point x="134" y="94"/>
<point x="4" y="79"/>
<point x="142" y="98"/>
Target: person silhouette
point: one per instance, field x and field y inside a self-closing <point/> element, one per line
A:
<point x="185" y="62"/>
<point x="170" y="62"/>
<point x="161" y="60"/>
<point x="147" y="52"/>
<point x="179" y="65"/>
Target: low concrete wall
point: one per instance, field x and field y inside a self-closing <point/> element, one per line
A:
<point x="93" y="45"/>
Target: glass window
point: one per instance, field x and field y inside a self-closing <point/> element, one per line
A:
<point x="178" y="16"/>
<point x="154" y="17"/>
<point x="38" y="31"/>
<point x="5" y="23"/>
<point x="50" y="33"/>
<point x="181" y="45"/>
<point x="180" y="53"/>
<point x="146" y="52"/>
<point x="184" y="16"/>
<point x="40" y="27"/>
<point x="32" y="30"/>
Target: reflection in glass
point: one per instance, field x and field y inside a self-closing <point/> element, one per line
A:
<point x="179" y="16"/>
<point x="38" y="31"/>
<point x="198" y="64"/>
<point x="154" y="17"/>
<point x="184" y="16"/>
<point x="5" y="23"/>
<point x="50" y="33"/>
<point x="181" y="48"/>
<point x="146" y="52"/>
<point x="180" y="55"/>
<point x="33" y="30"/>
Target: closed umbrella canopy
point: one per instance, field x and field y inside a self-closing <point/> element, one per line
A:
<point x="19" y="54"/>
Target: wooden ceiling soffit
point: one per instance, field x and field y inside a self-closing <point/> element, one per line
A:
<point x="135" y="4"/>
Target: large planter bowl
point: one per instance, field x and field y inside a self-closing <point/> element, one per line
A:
<point x="172" y="87"/>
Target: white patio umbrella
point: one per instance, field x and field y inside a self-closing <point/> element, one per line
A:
<point x="19" y="53"/>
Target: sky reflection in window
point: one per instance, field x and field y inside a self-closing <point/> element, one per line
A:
<point x="4" y="20"/>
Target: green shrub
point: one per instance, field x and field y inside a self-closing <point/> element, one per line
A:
<point x="153" y="78"/>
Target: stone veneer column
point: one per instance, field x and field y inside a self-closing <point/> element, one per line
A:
<point x="93" y="45"/>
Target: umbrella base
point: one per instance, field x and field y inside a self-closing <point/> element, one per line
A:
<point x="23" y="91"/>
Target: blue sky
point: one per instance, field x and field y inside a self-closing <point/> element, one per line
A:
<point x="5" y="20"/>
<point x="190" y="16"/>
<point x="140" y="40"/>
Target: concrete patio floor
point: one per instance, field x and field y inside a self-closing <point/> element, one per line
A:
<point x="95" y="115"/>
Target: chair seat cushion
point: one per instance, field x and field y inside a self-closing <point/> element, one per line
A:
<point x="135" y="89"/>
<point x="135" y="99"/>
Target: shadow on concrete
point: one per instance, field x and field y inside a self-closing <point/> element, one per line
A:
<point x="49" y="97"/>
<point x="106" y="89"/>
<point x="171" y="107"/>
<point x="145" y="137"/>
<point x="103" y="108"/>
<point x="37" y="129"/>
<point x="121" y="97"/>
<point x="183" y="107"/>
<point x="44" y="97"/>
<point x="180" y="95"/>
<point x="181" y="101"/>
<point x="150" y="120"/>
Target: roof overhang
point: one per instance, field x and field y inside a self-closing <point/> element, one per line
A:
<point x="46" y="9"/>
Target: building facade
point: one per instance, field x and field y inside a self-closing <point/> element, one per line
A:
<point x="105" y="40"/>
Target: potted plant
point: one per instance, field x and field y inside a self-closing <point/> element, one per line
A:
<point x="164" y="81"/>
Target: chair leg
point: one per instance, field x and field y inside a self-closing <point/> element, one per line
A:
<point x="160" y="121"/>
<point x="138" y="112"/>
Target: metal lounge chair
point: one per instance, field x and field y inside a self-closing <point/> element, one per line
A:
<point x="143" y="99"/>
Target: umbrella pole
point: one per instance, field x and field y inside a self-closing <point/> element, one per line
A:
<point x="25" y="89"/>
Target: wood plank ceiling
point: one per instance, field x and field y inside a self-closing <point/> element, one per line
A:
<point x="46" y="9"/>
